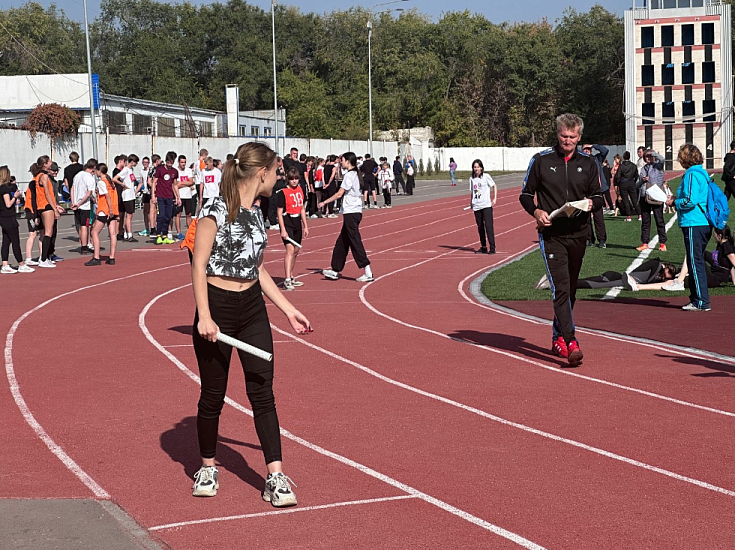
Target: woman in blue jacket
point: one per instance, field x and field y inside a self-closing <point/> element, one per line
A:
<point x="691" y="204"/>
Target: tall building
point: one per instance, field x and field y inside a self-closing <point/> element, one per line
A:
<point x="678" y="78"/>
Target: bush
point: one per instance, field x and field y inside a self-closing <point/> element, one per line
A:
<point x="57" y="121"/>
<point x="429" y="168"/>
<point x="421" y="167"/>
<point x="437" y="168"/>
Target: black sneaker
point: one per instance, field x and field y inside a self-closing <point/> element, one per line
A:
<point x="590" y="244"/>
<point x="131" y="239"/>
<point x="85" y="250"/>
<point x="481" y="250"/>
<point x="55" y="258"/>
<point x="93" y="261"/>
<point x="110" y="261"/>
<point x="602" y="244"/>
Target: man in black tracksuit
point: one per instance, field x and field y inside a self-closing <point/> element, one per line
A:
<point x="556" y="176"/>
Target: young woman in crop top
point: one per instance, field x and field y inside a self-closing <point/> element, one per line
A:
<point x="229" y="280"/>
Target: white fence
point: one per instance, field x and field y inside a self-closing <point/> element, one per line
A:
<point x="18" y="152"/>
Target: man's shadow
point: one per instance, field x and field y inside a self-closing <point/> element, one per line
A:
<point x="719" y="370"/>
<point x="180" y="443"/>
<point x="514" y="344"/>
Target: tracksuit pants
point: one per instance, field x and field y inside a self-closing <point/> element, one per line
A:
<point x="658" y="214"/>
<point x="563" y="258"/>
<point x="349" y="239"/>
<point x="598" y="227"/>
<point x="484" y="220"/>
<point x="695" y="243"/>
<point x="165" y="213"/>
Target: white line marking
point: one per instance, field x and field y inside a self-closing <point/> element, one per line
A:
<point x="613" y="292"/>
<point x="535" y="320"/>
<point x="280" y="512"/>
<point x="20" y="402"/>
<point x="179" y="346"/>
<point x="339" y="458"/>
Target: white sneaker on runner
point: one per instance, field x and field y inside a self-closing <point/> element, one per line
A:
<point x="46" y="263"/>
<point x="288" y="284"/>
<point x="7" y="270"/>
<point x="296" y="282"/>
<point x="206" y="482"/>
<point x="25" y="269"/>
<point x="365" y="278"/>
<point x="331" y="274"/>
<point x="278" y="490"/>
<point x="30" y="261"/>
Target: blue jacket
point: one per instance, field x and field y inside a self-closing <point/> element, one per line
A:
<point x="691" y="197"/>
<point x="599" y="158"/>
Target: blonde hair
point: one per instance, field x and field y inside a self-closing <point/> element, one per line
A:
<point x="569" y="121"/>
<point x="689" y="155"/>
<point x="250" y="158"/>
<point x="4" y="175"/>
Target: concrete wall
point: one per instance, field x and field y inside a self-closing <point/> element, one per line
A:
<point x="506" y="159"/>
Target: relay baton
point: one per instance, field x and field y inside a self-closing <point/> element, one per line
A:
<point x="242" y="346"/>
<point x="466" y="208"/>
<point x="289" y="239"/>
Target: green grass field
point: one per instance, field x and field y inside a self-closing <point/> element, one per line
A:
<point x="515" y="281"/>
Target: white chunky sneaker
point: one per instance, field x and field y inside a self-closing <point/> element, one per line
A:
<point x="206" y="482"/>
<point x="278" y="490"/>
<point x="46" y="263"/>
<point x="25" y="269"/>
<point x="331" y="274"/>
<point x="6" y="269"/>
<point x="296" y="282"/>
<point x="365" y="278"/>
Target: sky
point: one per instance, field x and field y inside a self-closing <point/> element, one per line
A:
<point x="496" y="11"/>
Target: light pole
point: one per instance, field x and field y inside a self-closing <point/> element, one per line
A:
<point x="91" y="89"/>
<point x="275" y="92"/>
<point x="370" y="65"/>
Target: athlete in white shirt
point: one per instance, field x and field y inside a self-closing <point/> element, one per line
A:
<point x="187" y="190"/>
<point x="481" y="185"/>
<point x="83" y="188"/>
<point x="211" y="178"/>
<point x="130" y="184"/>
<point x="349" y="238"/>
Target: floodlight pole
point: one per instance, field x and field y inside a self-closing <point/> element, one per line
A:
<point x="91" y="89"/>
<point x="370" y="83"/>
<point x="275" y="92"/>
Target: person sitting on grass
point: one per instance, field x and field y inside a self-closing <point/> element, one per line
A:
<point x="652" y="273"/>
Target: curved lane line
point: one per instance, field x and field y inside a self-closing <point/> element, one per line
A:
<point x="20" y="402"/>
<point x="513" y="537"/>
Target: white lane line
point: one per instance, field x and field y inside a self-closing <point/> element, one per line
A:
<point x="613" y="292"/>
<point x="517" y="539"/>
<point x="20" y="402"/>
<point x="179" y="346"/>
<point x="658" y="346"/>
<point x="280" y="512"/>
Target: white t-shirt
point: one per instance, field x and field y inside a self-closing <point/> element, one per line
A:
<point x="210" y="180"/>
<point x="480" y="189"/>
<point x="143" y="177"/>
<point x="83" y="182"/>
<point x="352" y="199"/>
<point x="186" y="176"/>
<point x="128" y="180"/>
<point x="385" y="177"/>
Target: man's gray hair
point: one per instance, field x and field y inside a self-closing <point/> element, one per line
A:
<point x="569" y="121"/>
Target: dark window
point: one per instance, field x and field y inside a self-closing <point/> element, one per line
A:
<point x="697" y="3"/>
<point x="667" y="35"/>
<point x="708" y="71"/>
<point x="667" y="74"/>
<point x="708" y="110"/>
<point x="117" y="122"/>
<point x="649" y="110"/>
<point x="142" y="124"/>
<point x="655" y="4"/>
<point x="647" y="75"/>
<point x="687" y="35"/>
<point x="667" y="112"/>
<point x="687" y="73"/>
<point x="166" y="127"/>
<point x="708" y="33"/>
<point x="688" y="111"/>
<point x="188" y="128"/>
<point x="669" y="4"/>
<point x="205" y="129"/>
<point x="647" y="37"/>
<point x="684" y="3"/>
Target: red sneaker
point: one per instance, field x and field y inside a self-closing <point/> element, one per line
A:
<point x="643" y="247"/>
<point x="559" y="347"/>
<point x="575" y="355"/>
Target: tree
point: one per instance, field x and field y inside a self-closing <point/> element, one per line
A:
<point x="421" y="167"/>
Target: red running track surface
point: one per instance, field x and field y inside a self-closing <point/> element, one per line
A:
<point x="431" y="420"/>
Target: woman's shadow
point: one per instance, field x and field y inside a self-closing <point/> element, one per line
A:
<point x="180" y="443"/>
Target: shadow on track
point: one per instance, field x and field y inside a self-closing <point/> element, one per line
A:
<point x="180" y="443"/>
<point x="507" y="342"/>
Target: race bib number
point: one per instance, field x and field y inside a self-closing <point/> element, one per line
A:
<point x="208" y="179"/>
<point x="297" y="200"/>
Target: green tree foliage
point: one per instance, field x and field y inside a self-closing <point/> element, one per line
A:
<point x="475" y="82"/>
<point x="421" y="167"/>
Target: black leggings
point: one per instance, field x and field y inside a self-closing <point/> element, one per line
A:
<point x="11" y="235"/>
<point x="484" y="219"/>
<point x="629" y="195"/>
<point x="241" y="315"/>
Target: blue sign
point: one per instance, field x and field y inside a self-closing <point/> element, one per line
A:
<point x="96" y="90"/>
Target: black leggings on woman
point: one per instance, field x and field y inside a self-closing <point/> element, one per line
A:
<point x="241" y="315"/>
<point x="484" y="219"/>
<point x="10" y="236"/>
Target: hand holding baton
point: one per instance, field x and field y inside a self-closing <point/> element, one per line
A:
<point x="242" y="346"/>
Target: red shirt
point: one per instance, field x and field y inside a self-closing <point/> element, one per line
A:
<point x="291" y="199"/>
<point x="166" y="177"/>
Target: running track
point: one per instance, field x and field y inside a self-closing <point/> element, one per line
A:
<point x="413" y="416"/>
